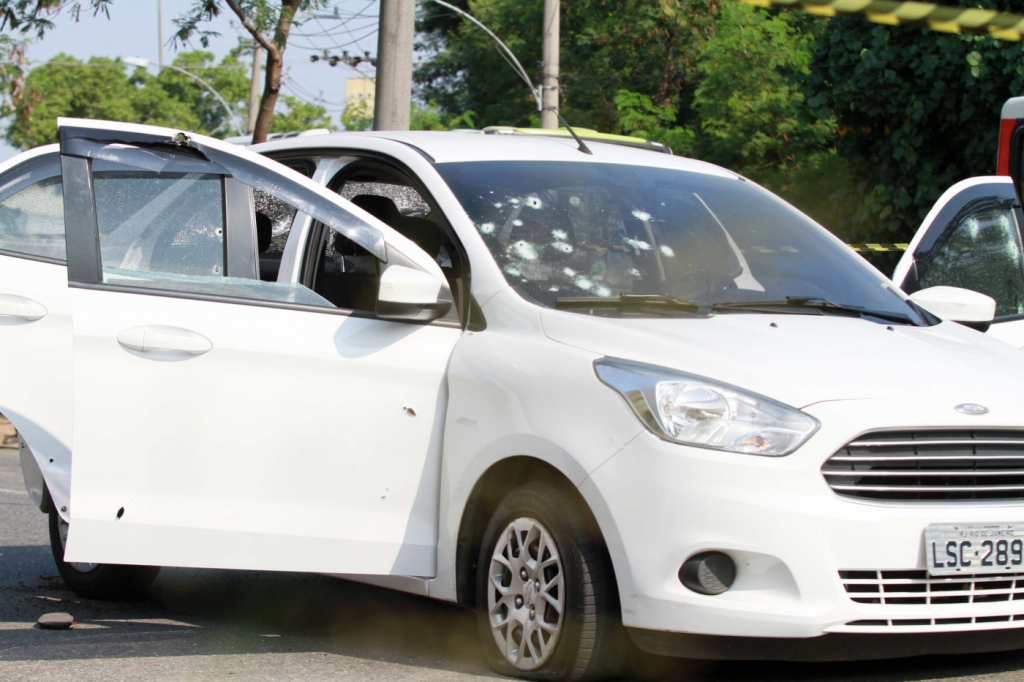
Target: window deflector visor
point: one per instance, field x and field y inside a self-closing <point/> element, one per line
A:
<point x="31" y="172"/>
<point x="254" y="170"/>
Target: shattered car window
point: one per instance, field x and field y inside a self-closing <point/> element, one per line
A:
<point x="406" y="199"/>
<point x="161" y="222"/>
<point x="573" y="229"/>
<point x="32" y="220"/>
<point x="281" y="215"/>
<point x="982" y="252"/>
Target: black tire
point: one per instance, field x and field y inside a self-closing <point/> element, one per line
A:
<point x="103" y="581"/>
<point x="592" y="642"/>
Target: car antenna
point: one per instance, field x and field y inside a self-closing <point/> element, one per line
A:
<point x="510" y="57"/>
<point x="583" y="145"/>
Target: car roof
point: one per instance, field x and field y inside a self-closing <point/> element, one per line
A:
<point x="474" y="145"/>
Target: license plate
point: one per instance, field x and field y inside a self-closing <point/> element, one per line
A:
<point x="974" y="548"/>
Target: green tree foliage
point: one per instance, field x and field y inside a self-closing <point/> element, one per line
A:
<point x="19" y="20"/>
<point x="357" y="116"/>
<point x="34" y="16"/>
<point x="917" y="111"/>
<point x="644" y="46"/>
<point x="298" y="115"/>
<point x="105" y="89"/>
<point x="269" y="23"/>
<point x="748" y="101"/>
<point x="717" y="81"/>
<point x="639" y="116"/>
<point x="100" y="90"/>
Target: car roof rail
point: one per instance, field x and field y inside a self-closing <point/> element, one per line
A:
<point x="585" y="133"/>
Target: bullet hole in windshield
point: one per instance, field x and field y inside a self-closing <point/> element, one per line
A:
<point x="562" y="246"/>
<point x="641" y="215"/>
<point x="487" y="228"/>
<point x="666" y="250"/>
<point x="524" y="250"/>
<point x="637" y="244"/>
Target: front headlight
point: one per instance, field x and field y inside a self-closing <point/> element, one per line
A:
<point x="692" y="410"/>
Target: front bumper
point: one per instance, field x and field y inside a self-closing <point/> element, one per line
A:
<point x="834" y="647"/>
<point x="790" y="535"/>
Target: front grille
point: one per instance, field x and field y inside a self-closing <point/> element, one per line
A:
<point x="917" y="587"/>
<point x="927" y="622"/>
<point x="930" y="465"/>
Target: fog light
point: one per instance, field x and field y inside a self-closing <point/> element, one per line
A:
<point x="708" y="573"/>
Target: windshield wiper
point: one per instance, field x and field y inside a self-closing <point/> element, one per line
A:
<point x="634" y="301"/>
<point x="670" y="303"/>
<point x="815" y="303"/>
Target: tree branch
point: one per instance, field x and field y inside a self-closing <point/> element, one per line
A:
<point x="271" y="48"/>
<point x="284" y="24"/>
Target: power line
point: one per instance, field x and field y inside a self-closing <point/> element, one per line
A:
<point x="337" y="46"/>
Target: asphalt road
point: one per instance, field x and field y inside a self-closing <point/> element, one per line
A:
<point x="241" y="625"/>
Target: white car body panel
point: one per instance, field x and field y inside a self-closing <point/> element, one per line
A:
<point x="348" y="483"/>
<point x="804" y="359"/>
<point x="37" y="396"/>
<point x="37" y="392"/>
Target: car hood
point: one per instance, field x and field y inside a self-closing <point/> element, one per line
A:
<point x="804" y="359"/>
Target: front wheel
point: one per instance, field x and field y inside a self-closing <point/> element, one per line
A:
<point x="96" y="581"/>
<point x="546" y="598"/>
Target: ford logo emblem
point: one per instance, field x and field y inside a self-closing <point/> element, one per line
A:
<point x="971" y="408"/>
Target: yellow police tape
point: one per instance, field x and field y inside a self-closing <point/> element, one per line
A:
<point x="879" y="247"/>
<point x="936" y="17"/>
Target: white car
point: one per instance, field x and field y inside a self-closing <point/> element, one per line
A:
<point x="574" y="391"/>
<point x="971" y="239"/>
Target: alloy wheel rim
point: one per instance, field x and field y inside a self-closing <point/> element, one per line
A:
<point x="526" y="594"/>
<point x="62" y="529"/>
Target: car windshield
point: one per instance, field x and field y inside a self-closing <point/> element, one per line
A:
<point x="561" y="230"/>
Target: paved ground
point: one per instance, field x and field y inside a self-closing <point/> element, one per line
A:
<point x="241" y="625"/>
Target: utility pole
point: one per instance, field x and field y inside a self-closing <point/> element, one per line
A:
<point x="549" y="65"/>
<point x="160" y="27"/>
<point x="393" y="100"/>
<point x="254" y="87"/>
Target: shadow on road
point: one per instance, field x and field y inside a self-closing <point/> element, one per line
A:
<point x="207" y="613"/>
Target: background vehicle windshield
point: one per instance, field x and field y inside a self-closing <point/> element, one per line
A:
<point x="567" y="229"/>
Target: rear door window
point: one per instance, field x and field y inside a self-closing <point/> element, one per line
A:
<point x="32" y="210"/>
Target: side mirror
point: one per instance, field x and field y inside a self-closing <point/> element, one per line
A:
<point x="957" y="305"/>
<point x="409" y="294"/>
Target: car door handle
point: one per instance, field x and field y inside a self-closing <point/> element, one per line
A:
<point x="19" y="308"/>
<point x="159" y="339"/>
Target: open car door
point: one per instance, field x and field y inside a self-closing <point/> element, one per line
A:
<point x="972" y="239"/>
<point x="226" y="421"/>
